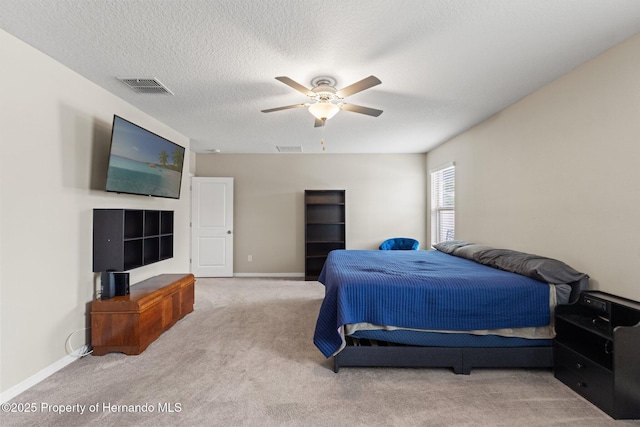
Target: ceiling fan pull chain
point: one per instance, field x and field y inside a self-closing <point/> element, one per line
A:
<point x="322" y="138"/>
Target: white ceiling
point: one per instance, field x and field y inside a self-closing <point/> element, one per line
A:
<point x="445" y="65"/>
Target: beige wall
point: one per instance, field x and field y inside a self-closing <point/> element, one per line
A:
<point x="55" y="129"/>
<point x="385" y="198"/>
<point x="558" y="173"/>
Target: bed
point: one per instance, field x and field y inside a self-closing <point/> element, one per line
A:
<point x="460" y="306"/>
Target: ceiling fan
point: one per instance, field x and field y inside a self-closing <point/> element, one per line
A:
<point x="326" y="101"/>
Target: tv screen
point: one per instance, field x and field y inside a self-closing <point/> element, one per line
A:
<point x="141" y="162"/>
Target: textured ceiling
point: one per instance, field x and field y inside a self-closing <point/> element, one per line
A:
<point x="444" y="65"/>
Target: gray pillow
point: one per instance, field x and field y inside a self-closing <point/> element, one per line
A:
<point x="450" y="246"/>
<point x="536" y="267"/>
<point x="470" y="251"/>
<point x="540" y="268"/>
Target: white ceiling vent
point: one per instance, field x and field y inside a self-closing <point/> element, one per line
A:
<point x="289" y="148"/>
<point x="145" y="85"/>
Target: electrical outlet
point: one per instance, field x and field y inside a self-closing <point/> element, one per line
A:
<point x="250" y="258"/>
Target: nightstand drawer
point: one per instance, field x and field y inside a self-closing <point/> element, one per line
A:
<point x="585" y="377"/>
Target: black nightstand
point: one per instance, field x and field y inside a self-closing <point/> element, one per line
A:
<point x="597" y="351"/>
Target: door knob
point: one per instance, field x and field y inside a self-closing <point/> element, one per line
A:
<point x="228" y="231"/>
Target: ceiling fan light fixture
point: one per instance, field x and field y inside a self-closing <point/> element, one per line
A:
<point x="323" y="110"/>
<point x="326" y="101"/>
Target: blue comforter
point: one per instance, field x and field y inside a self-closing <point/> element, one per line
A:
<point x="423" y="290"/>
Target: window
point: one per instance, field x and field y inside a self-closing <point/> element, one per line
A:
<point x="443" y="193"/>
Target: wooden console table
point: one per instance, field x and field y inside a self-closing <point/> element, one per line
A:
<point x="128" y="324"/>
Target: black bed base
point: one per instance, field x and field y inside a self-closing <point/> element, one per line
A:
<point x="369" y="353"/>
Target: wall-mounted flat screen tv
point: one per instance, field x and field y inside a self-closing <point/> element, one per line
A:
<point x="141" y="162"/>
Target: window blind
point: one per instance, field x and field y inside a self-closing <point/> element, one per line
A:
<point x="443" y="204"/>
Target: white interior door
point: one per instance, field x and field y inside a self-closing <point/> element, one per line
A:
<point x="212" y="227"/>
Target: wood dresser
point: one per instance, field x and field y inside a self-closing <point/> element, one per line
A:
<point x="128" y="324"/>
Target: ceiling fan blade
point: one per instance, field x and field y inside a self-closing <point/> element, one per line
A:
<point x="362" y="110"/>
<point x="297" y="86"/>
<point x="319" y="123"/>
<point x="358" y="86"/>
<point x="270" y="110"/>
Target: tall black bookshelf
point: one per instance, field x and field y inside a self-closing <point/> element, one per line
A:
<point x="324" y="228"/>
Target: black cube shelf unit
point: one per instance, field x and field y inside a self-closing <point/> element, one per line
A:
<point x="124" y="239"/>
<point x="597" y="351"/>
<point x="324" y="228"/>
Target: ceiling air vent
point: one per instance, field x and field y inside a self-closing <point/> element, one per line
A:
<point x="145" y="85"/>
<point x="289" y="149"/>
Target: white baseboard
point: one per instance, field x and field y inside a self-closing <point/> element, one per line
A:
<point x="36" y="378"/>
<point x="268" y="274"/>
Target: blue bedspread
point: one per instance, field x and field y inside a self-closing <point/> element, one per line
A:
<point x="423" y="290"/>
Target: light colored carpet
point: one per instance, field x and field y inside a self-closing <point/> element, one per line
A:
<point x="245" y="357"/>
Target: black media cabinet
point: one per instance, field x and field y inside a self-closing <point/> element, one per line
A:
<point x="597" y="351"/>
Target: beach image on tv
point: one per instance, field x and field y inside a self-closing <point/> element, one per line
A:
<point x="143" y="163"/>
